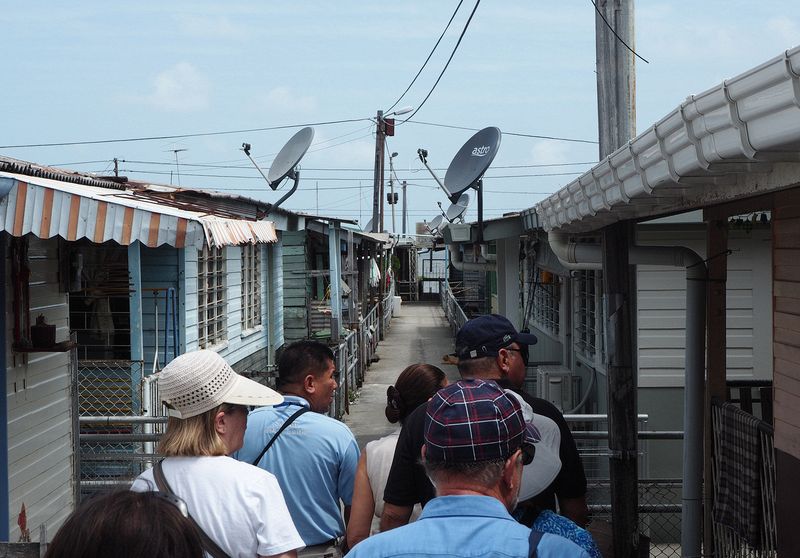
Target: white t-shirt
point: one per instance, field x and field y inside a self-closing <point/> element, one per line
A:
<point x="241" y="507"/>
<point x="379" y="461"/>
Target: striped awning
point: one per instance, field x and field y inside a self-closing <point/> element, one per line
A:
<point x="50" y="208"/>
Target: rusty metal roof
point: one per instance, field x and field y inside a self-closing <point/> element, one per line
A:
<point x="50" y="207"/>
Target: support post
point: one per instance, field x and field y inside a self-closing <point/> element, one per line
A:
<point x="616" y="125"/>
<point x="335" y="258"/>
<point x="716" y="247"/>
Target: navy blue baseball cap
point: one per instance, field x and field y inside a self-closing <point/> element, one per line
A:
<point x="486" y="335"/>
<point x="475" y="420"/>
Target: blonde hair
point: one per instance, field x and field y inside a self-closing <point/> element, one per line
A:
<point x="194" y="436"/>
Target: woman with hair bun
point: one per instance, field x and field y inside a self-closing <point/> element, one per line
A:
<point x="415" y="385"/>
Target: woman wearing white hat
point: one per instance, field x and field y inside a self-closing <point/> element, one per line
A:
<point x="239" y="507"/>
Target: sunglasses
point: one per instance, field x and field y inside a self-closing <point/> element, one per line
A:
<point x="523" y="352"/>
<point x="528" y="452"/>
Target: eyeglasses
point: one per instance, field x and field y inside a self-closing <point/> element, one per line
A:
<point x="175" y="501"/>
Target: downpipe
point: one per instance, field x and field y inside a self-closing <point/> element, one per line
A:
<point x="584" y="257"/>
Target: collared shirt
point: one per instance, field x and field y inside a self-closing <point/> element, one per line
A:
<point x="314" y="460"/>
<point x="474" y="526"/>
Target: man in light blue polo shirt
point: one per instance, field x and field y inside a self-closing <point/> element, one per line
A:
<point x="476" y="443"/>
<point x="313" y="456"/>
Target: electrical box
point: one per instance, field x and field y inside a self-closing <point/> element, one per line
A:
<point x="554" y="383"/>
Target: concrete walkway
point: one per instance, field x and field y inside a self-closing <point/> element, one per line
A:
<point x="420" y="333"/>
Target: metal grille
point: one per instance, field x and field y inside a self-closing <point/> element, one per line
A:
<point x="251" y="286"/>
<point x="547" y="302"/>
<point x="211" y="296"/>
<point x="108" y="452"/>
<point x="588" y="293"/>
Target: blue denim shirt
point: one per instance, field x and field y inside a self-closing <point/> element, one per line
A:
<point x="466" y="526"/>
<point x="314" y="460"/>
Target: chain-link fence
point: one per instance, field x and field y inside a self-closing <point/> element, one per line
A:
<point x="109" y="401"/>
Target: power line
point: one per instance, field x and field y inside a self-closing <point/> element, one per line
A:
<point x="179" y="136"/>
<point x="455" y="48"/>
<point x="452" y="17"/>
<point x="615" y="33"/>
<point x="518" y="134"/>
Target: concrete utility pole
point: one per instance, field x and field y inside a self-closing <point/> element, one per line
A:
<point x="404" y="208"/>
<point x="617" y="123"/>
<point x="377" y="194"/>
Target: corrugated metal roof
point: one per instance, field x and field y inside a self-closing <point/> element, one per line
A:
<point x="50" y="208"/>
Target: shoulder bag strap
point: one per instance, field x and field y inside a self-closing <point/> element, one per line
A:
<point x="533" y="542"/>
<point x="283" y="427"/>
<point x="208" y="543"/>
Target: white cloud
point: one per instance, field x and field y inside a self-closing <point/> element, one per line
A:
<point x="181" y="88"/>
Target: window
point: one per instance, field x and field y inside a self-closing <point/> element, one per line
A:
<point x="546" y="302"/>
<point x="211" y="296"/>
<point x="251" y="286"/>
<point x="589" y="318"/>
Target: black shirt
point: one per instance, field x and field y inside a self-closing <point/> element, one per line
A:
<point x="408" y="484"/>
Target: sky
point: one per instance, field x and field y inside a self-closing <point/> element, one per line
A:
<point x="88" y="71"/>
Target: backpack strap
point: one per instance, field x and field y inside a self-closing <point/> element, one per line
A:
<point x="533" y="542"/>
<point x="208" y="543"/>
<point x="283" y="427"/>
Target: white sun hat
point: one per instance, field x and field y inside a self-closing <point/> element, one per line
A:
<point x="546" y="464"/>
<point x="199" y="381"/>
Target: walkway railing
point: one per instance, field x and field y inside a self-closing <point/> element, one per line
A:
<point x="452" y="309"/>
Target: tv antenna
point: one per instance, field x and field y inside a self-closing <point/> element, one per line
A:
<point x="177" y="166"/>
<point x="285" y="163"/>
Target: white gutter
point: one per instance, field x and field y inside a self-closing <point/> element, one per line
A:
<point x="578" y="256"/>
<point x="695" y="153"/>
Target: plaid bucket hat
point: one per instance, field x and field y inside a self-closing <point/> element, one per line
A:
<point x="474" y="420"/>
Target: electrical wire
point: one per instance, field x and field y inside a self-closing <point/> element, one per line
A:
<point x="455" y="48"/>
<point x="452" y="17"/>
<point x="518" y="134"/>
<point x="615" y="33"/>
<point x="178" y="136"/>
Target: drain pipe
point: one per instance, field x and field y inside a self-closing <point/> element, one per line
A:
<point x="457" y="261"/>
<point x="582" y="256"/>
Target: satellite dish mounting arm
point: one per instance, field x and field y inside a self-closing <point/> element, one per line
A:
<point x="423" y="156"/>
<point x="246" y="148"/>
<point x="294" y="175"/>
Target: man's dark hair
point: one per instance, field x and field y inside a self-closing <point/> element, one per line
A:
<point x="302" y="358"/>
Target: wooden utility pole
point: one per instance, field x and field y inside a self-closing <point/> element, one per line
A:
<point x="616" y="125"/>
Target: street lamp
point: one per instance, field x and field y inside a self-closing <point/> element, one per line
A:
<point x="392" y="199"/>
<point x="385" y="127"/>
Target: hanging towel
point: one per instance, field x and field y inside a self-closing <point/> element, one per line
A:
<point x="737" y="492"/>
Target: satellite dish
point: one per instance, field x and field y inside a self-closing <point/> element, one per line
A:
<point x="471" y="161"/>
<point x="433" y="224"/>
<point x="456" y="210"/>
<point x="368" y="227"/>
<point x="288" y="157"/>
<point x="285" y="163"/>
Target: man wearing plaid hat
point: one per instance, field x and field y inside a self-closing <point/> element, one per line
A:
<point x="476" y="443"/>
<point x="490" y="348"/>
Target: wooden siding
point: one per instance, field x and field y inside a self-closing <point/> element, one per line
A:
<point x="274" y="284"/>
<point x="159" y="270"/>
<point x="661" y="313"/>
<point x="786" y="326"/>
<point x="40" y="450"/>
<point x="296" y="286"/>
